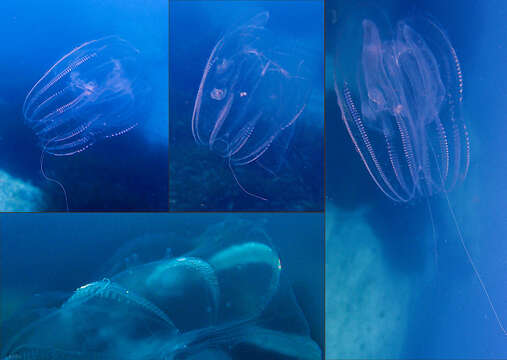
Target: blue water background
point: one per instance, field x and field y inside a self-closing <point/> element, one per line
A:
<point x="451" y="317"/>
<point x="201" y="180"/>
<point x="124" y="173"/>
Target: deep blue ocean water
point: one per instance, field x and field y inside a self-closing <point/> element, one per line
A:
<point x="200" y="179"/>
<point x="447" y="314"/>
<point x="136" y="163"/>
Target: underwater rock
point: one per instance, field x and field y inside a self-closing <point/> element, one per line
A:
<point x="16" y="195"/>
<point x="367" y="302"/>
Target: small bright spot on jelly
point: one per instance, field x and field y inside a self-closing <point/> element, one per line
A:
<point x="181" y="259"/>
<point x="90" y="86"/>
<point x="83" y="287"/>
<point x="243" y="93"/>
<point x="218" y="94"/>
